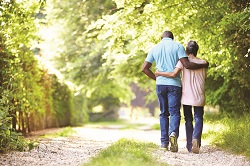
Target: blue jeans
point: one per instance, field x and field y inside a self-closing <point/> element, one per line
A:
<point x="169" y="98"/>
<point x="196" y="132"/>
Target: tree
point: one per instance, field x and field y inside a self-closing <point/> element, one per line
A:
<point x="225" y="25"/>
<point x="101" y="45"/>
<point x="25" y="88"/>
<point x="80" y="55"/>
<point x="220" y="27"/>
<point x="19" y="73"/>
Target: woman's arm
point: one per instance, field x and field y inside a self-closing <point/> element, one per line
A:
<point x="168" y="74"/>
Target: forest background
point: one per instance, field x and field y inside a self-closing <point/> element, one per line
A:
<point x="61" y="59"/>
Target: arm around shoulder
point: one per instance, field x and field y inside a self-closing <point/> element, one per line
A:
<point x="190" y="65"/>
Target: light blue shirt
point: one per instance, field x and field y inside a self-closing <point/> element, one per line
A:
<point x="166" y="55"/>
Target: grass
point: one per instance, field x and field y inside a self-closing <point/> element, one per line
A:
<point x="121" y="124"/>
<point x="156" y="126"/>
<point x="229" y="133"/>
<point x="68" y="131"/>
<point x="126" y="153"/>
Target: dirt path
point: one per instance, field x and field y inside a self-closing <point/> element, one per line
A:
<point x="88" y="141"/>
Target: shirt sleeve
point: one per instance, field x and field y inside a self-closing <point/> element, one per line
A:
<point x="181" y="52"/>
<point x="150" y="57"/>
<point x="179" y="65"/>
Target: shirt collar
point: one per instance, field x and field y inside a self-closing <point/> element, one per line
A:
<point x="167" y="38"/>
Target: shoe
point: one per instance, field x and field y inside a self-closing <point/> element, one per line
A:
<point x="173" y="142"/>
<point x="164" y="146"/>
<point x="195" y="146"/>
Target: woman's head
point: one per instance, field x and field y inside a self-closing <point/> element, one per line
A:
<point x="192" y="47"/>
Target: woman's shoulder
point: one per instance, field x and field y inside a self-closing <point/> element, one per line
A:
<point x="197" y="60"/>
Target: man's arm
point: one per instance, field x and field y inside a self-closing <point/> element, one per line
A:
<point x="146" y="69"/>
<point x="190" y="65"/>
<point x="168" y="74"/>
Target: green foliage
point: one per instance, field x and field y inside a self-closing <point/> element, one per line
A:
<point x="26" y="100"/>
<point x="79" y="114"/>
<point x="66" y="132"/>
<point x="228" y="81"/>
<point x="156" y="127"/>
<point x="80" y="55"/>
<point x="17" y="79"/>
<point x="230" y="132"/>
<point x="220" y="27"/>
<point x="126" y="153"/>
<point x="62" y="103"/>
<point x="104" y="44"/>
<point x="9" y="139"/>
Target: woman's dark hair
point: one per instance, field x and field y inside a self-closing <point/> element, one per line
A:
<point x="192" y="48"/>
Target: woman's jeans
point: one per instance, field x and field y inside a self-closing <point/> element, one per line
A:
<point x="169" y="98"/>
<point x="196" y="132"/>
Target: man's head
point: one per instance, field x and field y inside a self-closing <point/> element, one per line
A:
<point x="168" y="34"/>
<point x="192" y="47"/>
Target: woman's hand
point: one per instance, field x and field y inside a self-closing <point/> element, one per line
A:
<point x="157" y="73"/>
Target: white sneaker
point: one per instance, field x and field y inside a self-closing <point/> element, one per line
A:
<point x="195" y="146"/>
<point x="173" y="142"/>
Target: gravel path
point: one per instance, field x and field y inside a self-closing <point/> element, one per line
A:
<point x="88" y="141"/>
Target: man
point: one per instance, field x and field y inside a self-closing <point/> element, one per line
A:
<point x="166" y="55"/>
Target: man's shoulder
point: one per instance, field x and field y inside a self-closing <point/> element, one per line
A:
<point x="157" y="45"/>
<point x="169" y="44"/>
<point x="175" y="42"/>
<point x="178" y="45"/>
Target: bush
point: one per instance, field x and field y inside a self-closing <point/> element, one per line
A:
<point x="9" y="139"/>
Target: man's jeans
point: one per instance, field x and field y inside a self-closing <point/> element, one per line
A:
<point x="196" y="132"/>
<point x="169" y="99"/>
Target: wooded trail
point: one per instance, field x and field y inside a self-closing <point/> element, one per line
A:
<point x="88" y="141"/>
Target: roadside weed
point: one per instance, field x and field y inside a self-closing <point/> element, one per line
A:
<point x="126" y="153"/>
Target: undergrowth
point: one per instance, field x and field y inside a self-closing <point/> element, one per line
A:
<point x="230" y="132"/>
<point x="67" y="131"/>
<point x="126" y="153"/>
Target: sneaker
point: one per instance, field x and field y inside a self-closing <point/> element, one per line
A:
<point x="195" y="146"/>
<point x="173" y="142"/>
<point x="164" y="146"/>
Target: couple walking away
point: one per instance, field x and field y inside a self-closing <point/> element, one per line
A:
<point x="171" y="58"/>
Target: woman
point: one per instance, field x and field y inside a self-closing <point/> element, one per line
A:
<point x="193" y="95"/>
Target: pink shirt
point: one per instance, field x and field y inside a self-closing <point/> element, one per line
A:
<point x="193" y="84"/>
